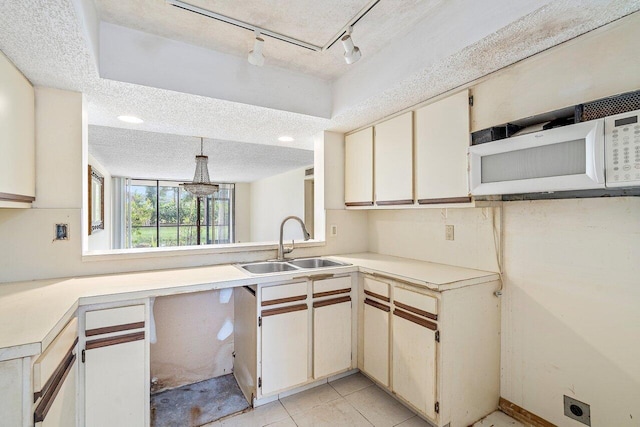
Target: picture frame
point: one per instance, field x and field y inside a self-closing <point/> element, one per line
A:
<point x="96" y="201"/>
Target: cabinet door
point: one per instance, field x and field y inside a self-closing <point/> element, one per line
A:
<point x="442" y="140"/>
<point x="376" y="341"/>
<point x="12" y="392"/>
<point x="394" y="160"/>
<point x="414" y="364"/>
<point x="331" y="336"/>
<point x="115" y="390"/>
<point x="358" y="174"/>
<point x="62" y="410"/>
<point x="17" y="135"/>
<point x="285" y="347"/>
<point x="245" y="337"/>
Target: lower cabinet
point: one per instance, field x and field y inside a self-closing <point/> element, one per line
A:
<point x="414" y="363"/>
<point x="376" y="341"/>
<point x="285" y="347"/>
<point x="331" y="336"/>
<point x="305" y="332"/>
<point x="115" y="367"/>
<point x="54" y="378"/>
<point x="115" y="385"/>
<point x="61" y="412"/>
<point x="422" y="346"/>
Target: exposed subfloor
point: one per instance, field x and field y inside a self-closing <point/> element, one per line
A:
<point x="350" y="402"/>
<point x="197" y="404"/>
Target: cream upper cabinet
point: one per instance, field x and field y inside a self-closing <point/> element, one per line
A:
<point x="358" y="179"/>
<point x="17" y="137"/>
<point x="442" y="140"/>
<point x="394" y="160"/>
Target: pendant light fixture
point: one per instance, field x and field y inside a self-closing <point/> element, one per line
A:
<point x="201" y="186"/>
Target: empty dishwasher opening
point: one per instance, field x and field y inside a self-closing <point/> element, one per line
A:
<point x="191" y="359"/>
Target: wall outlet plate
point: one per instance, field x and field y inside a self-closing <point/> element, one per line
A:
<point x="448" y="232"/>
<point x="577" y="410"/>
<point x="333" y="230"/>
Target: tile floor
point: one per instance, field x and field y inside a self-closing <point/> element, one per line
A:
<point x="350" y="401"/>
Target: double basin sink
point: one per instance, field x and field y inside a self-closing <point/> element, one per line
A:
<point x="267" y="267"/>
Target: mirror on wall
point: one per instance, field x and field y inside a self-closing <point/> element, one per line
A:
<point x="96" y="200"/>
<point x="145" y="207"/>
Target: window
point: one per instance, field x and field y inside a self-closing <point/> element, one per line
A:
<point x="161" y="214"/>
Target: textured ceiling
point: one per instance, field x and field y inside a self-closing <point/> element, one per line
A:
<point x="45" y="41"/>
<point x="312" y="21"/>
<point x="150" y="155"/>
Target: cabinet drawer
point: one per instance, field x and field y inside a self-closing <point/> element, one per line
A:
<point x="423" y="305"/>
<point x="376" y="289"/>
<point x="280" y="294"/>
<point x="115" y="319"/>
<point x="45" y="366"/>
<point x="327" y="287"/>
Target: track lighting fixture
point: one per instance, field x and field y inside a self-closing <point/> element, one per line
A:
<point x="351" y="52"/>
<point x="255" y="55"/>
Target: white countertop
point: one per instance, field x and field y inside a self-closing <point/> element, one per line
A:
<point x="32" y="313"/>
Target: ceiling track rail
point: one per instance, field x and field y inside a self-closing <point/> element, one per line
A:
<point x="266" y="32"/>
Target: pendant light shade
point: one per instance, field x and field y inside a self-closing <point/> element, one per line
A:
<point x="201" y="186"/>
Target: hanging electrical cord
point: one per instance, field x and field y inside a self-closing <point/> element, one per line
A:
<point x="497" y="245"/>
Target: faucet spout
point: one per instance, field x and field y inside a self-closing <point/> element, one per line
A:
<point x="281" y="249"/>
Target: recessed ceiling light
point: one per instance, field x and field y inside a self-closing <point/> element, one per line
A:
<point x="285" y="139"/>
<point x="131" y="119"/>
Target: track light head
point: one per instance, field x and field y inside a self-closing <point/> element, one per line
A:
<point x="351" y="52"/>
<point x="255" y="55"/>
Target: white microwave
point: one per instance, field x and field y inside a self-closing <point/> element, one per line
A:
<point x="597" y="154"/>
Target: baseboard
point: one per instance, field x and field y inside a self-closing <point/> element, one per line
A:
<point x="527" y="418"/>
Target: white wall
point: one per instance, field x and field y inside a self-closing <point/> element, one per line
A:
<point x="242" y="212"/>
<point x="420" y="234"/>
<point x="101" y="240"/>
<point x="273" y="199"/>
<point x="570" y="308"/>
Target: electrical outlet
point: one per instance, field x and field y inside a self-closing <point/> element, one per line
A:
<point x="334" y="230"/>
<point x="448" y="232"/>
<point x="61" y="232"/>
<point x="577" y="410"/>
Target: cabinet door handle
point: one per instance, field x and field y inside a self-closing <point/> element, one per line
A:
<point x="377" y="296"/>
<point x="283" y="300"/>
<point x="43" y="407"/>
<point x="377" y="305"/>
<point x="120" y="339"/>
<point x="330" y="293"/>
<point x="282" y="310"/>
<point x="325" y="303"/>
<point x="111" y="329"/>
<point x="416" y="310"/>
<point x="415" y="319"/>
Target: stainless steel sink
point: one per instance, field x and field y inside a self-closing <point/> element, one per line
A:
<point x="267" y="267"/>
<point x="315" y="263"/>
